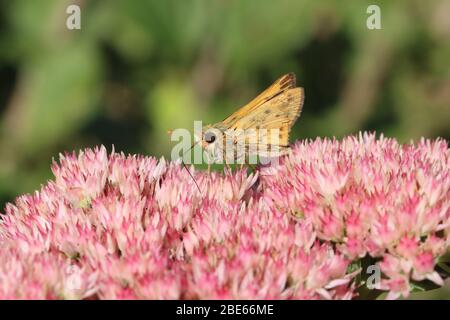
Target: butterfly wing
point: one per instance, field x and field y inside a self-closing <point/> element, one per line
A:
<point x="278" y="107"/>
<point x="280" y="113"/>
<point x="282" y="84"/>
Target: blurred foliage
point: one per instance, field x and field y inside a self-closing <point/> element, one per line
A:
<point x="139" y="68"/>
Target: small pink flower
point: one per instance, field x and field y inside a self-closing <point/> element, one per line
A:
<point x="407" y="247"/>
<point x="397" y="287"/>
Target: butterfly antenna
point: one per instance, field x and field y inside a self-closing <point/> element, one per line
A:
<point x="184" y="165"/>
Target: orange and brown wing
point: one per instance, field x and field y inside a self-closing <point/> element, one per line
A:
<point x="284" y="83"/>
<point x="274" y="119"/>
<point x="281" y="113"/>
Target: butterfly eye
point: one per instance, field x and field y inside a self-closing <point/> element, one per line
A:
<point x="210" y="137"/>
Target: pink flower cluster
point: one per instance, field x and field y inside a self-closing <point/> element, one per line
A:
<point x="133" y="227"/>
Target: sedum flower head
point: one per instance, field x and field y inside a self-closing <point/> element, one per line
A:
<point x="111" y="226"/>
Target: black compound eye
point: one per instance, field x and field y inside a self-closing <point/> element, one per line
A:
<point x="210" y="137"/>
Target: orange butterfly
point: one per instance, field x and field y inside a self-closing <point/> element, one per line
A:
<point x="261" y="127"/>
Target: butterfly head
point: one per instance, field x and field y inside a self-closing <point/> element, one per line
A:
<point x="210" y="136"/>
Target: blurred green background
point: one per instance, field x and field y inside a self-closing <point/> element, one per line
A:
<point x="138" y="68"/>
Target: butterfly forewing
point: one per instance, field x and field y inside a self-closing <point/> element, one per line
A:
<point x="272" y="115"/>
<point x="282" y="84"/>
